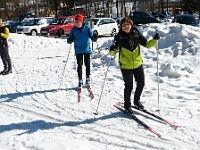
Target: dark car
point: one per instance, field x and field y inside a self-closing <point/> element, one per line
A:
<point x="12" y="26"/>
<point x="161" y="16"/>
<point x="186" y="19"/>
<point x="118" y="20"/>
<point x="21" y="20"/>
<point x="141" y="17"/>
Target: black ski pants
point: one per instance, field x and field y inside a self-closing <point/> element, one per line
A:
<point x="5" y="58"/>
<point x="139" y="76"/>
<point x="80" y="58"/>
<point x="4" y="53"/>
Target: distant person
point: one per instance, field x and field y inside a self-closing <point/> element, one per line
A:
<point x="190" y="11"/>
<point x="4" y="34"/>
<point x="127" y="42"/>
<point x="178" y="11"/>
<point x="80" y="35"/>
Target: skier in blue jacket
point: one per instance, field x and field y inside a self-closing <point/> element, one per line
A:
<point x="81" y="34"/>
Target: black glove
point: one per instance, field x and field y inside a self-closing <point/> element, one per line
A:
<point x="72" y="39"/>
<point x="95" y="35"/>
<point x="156" y="36"/>
<point x="112" y="47"/>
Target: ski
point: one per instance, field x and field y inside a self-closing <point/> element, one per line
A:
<point x="134" y="117"/>
<point x="79" y="94"/>
<point x="90" y="92"/>
<point x="154" y="115"/>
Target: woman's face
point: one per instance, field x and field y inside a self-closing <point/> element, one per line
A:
<point x="126" y="27"/>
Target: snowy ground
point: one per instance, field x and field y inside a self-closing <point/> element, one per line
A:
<point x="36" y="116"/>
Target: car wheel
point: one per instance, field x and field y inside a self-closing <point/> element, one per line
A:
<point x="113" y="32"/>
<point x="33" y="33"/>
<point x="60" y="33"/>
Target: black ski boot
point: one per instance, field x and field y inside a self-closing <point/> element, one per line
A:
<point x="139" y="105"/>
<point x="127" y="107"/>
<point x="129" y="110"/>
<point x="7" y="67"/>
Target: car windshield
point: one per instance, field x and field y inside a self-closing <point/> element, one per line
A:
<point x="87" y="21"/>
<point x="141" y="15"/>
<point x="32" y="22"/>
<point x="58" y="21"/>
<point x="16" y="21"/>
<point x="69" y="20"/>
<point x="19" y="21"/>
<point x="185" y="20"/>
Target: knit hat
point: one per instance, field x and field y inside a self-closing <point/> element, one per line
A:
<point x="79" y="17"/>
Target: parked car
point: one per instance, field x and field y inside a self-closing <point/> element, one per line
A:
<point x="118" y="20"/>
<point x="162" y="17"/>
<point x="141" y="17"/>
<point x="186" y="19"/>
<point x="13" y="25"/>
<point x="27" y="15"/>
<point x="103" y="26"/>
<point x="21" y="20"/>
<point x="59" y="26"/>
<point x="34" y="26"/>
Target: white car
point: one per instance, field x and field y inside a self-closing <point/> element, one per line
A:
<point x="34" y="26"/>
<point x="103" y="26"/>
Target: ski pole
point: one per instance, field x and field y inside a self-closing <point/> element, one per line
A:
<point x="158" y="75"/>
<point x="65" y="66"/>
<point x="103" y="66"/>
<point x="96" y="113"/>
<point x="14" y="67"/>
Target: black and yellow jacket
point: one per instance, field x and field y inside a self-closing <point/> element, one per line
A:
<point x="128" y="46"/>
<point x="4" y="34"/>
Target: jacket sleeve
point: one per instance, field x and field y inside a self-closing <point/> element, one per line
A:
<point x="146" y="43"/>
<point x="91" y="35"/>
<point x="5" y="34"/>
<point x="117" y="45"/>
<point x="113" y="53"/>
<point x="70" y="35"/>
<point x="150" y="43"/>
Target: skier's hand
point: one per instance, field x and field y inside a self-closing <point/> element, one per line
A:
<point x="95" y="35"/>
<point x="72" y="39"/>
<point x="112" y="47"/>
<point x="156" y="36"/>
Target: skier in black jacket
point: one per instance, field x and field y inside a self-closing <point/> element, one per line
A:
<point x="4" y="34"/>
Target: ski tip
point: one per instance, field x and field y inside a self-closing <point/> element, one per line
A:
<point x="116" y="106"/>
<point x="91" y="98"/>
<point x="95" y="113"/>
<point x="153" y="131"/>
<point x="176" y="126"/>
<point x="171" y="124"/>
<point x="120" y="102"/>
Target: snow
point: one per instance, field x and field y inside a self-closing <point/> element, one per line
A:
<point x="38" y="101"/>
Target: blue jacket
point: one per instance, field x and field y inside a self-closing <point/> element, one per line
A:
<point x="82" y="39"/>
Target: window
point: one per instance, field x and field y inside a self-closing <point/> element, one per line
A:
<point x="102" y="21"/>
